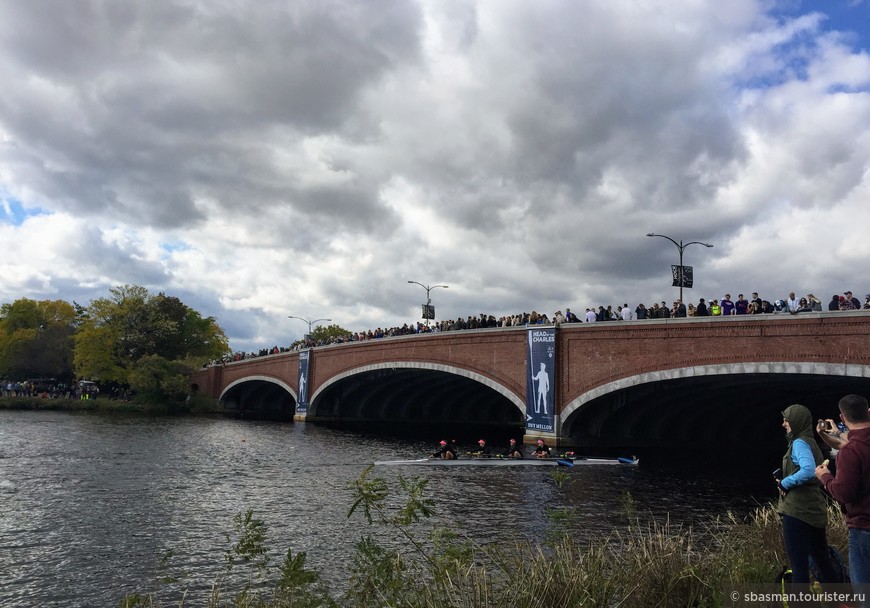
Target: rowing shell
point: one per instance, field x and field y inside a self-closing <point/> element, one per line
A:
<point x="508" y="462"/>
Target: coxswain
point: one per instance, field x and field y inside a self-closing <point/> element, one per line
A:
<point x="514" y="450"/>
<point x="483" y="450"/>
<point x="445" y="452"/>
<point x="543" y="450"/>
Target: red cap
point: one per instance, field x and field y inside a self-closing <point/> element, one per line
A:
<point x="480" y="441"/>
<point x="443" y="442"/>
<point x="540" y="441"/>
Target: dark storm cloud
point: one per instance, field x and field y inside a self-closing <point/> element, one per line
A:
<point x="131" y="109"/>
<point x="311" y="157"/>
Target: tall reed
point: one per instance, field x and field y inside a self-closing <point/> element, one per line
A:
<point x="644" y="564"/>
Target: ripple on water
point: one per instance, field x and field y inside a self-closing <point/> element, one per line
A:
<point x="98" y="500"/>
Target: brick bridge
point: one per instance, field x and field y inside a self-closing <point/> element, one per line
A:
<point x="615" y="386"/>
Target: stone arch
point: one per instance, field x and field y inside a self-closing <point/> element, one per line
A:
<point x="421" y="365"/>
<point x="810" y="368"/>
<point x="268" y="379"/>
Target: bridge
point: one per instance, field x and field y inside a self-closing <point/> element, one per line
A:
<point x="606" y="386"/>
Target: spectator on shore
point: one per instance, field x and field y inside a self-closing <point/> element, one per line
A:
<point x="741" y="306"/>
<point x="867" y="301"/>
<point x="691" y="310"/>
<point x="856" y="305"/>
<point x="849" y="487"/>
<point x="591" y="317"/>
<point x="802" y="506"/>
<point x="814" y="303"/>
<point x="792" y="303"/>
<point x="681" y="309"/>
<point x="715" y="309"/>
<point x="701" y="309"/>
<point x="834" y="304"/>
<point x="727" y="306"/>
<point x="626" y="313"/>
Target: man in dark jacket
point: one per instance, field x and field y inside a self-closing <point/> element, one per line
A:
<point x="851" y="487"/>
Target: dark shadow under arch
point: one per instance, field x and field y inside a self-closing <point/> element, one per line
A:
<point x="705" y="417"/>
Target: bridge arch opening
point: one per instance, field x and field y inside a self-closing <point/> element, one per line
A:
<point x="705" y="414"/>
<point x="419" y="400"/>
<point x="259" y="397"/>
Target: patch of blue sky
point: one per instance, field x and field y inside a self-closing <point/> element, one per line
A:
<point x="13" y="212"/>
<point x="170" y="247"/>
<point x="849" y="18"/>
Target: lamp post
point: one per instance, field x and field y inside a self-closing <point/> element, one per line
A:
<point x="428" y="288"/>
<point x="310" y="323"/>
<point x="680" y="246"/>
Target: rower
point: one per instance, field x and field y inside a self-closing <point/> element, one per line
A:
<point x="445" y="452"/>
<point x="483" y="450"/>
<point x="514" y="450"/>
<point x="543" y="450"/>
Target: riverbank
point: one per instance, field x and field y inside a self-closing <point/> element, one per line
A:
<point x="641" y="563"/>
<point x="194" y="407"/>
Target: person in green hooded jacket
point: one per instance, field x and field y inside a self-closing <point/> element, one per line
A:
<point x="802" y="504"/>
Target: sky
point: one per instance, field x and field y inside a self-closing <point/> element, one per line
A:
<point x="261" y="160"/>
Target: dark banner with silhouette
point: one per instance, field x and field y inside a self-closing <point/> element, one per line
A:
<point x="540" y="380"/>
<point x="302" y="399"/>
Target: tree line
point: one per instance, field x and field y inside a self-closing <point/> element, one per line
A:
<point x="149" y="343"/>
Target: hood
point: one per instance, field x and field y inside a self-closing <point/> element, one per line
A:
<point x="801" y="421"/>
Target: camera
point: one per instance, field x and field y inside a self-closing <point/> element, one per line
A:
<point x="777" y="474"/>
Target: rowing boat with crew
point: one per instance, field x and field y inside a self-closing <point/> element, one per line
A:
<point x="508" y="462"/>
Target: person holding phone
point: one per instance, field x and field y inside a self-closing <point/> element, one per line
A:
<point x="836" y="435"/>
<point x="851" y="487"/>
<point x="802" y="505"/>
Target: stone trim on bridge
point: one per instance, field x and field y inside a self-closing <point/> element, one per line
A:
<point x="810" y="368"/>
<point x="269" y="379"/>
<point x="458" y="371"/>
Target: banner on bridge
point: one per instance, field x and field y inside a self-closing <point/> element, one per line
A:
<point x="302" y="399"/>
<point x="540" y="380"/>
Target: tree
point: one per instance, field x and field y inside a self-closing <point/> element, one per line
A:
<point x="36" y="339"/>
<point x="325" y="333"/>
<point x="160" y="334"/>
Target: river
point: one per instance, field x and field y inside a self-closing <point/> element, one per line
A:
<point x="89" y="502"/>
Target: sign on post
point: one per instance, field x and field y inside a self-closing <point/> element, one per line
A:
<point x="686" y="276"/>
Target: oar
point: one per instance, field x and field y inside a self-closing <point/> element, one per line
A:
<point x="564" y="463"/>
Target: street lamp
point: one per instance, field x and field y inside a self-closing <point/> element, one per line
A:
<point x="310" y="323"/>
<point x="680" y="247"/>
<point x="428" y="288"/>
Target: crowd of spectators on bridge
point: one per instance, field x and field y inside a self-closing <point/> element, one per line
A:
<point x="724" y="307"/>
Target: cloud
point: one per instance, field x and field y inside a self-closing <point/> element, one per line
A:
<point x="310" y="158"/>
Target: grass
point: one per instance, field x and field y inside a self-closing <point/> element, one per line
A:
<point x="644" y="563"/>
